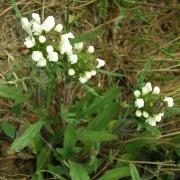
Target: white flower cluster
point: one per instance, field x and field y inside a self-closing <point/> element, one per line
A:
<point x="150" y="105"/>
<point x="37" y="32"/>
<point x="83" y="63"/>
<point x="45" y="48"/>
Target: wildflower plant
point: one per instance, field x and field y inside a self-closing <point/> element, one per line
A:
<point x="150" y="105"/>
<point x="67" y="127"/>
<point x="49" y="43"/>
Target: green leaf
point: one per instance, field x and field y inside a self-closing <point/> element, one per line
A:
<point x="69" y="140"/>
<point x="56" y="170"/>
<point x="104" y="117"/>
<point x="8" y="130"/>
<point x="101" y="101"/>
<point x="37" y="176"/>
<point x="12" y="93"/>
<point x="27" y="137"/>
<point x="77" y="171"/>
<point x="94" y="136"/>
<point x="43" y="158"/>
<point x="134" y="172"/>
<point x="140" y="141"/>
<point x="116" y="173"/>
<point x="88" y="36"/>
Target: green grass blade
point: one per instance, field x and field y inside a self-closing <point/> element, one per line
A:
<point x="14" y="5"/>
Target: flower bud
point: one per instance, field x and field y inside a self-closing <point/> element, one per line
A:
<point x="42" y="39"/>
<point x="90" y="49"/>
<point x="156" y="90"/>
<point x="138" y="113"/>
<point x="58" y="28"/>
<point x="71" y="72"/>
<point x="137" y="93"/>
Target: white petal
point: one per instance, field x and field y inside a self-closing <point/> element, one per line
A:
<point x="83" y="80"/>
<point x="53" y="56"/>
<point x="93" y="72"/>
<point x="36" y="17"/>
<point x="88" y="74"/>
<point x="49" y="49"/>
<point x="148" y="86"/>
<point x="139" y="103"/>
<point x="73" y="58"/>
<point x="90" y="49"/>
<point x="170" y="101"/>
<point x="65" y="45"/>
<point x="145" y="90"/>
<point x="26" y="25"/>
<point x="36" y="28"/>
<point x="151" y="121"/>
<point x="58" y="28"/>
<point x="158" y="117"/>
<point x="156" y="90"/>
<point x="48" y="24"/>
<point x="41" y="63"/>
<point x="37" y="55"/>
<point x="101" y="63"/>
<point x="29" y="42"/>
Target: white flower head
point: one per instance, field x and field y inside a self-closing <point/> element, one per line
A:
<point x="137" y="93"/>
<point x="42" y="39"/>
<point x="73" y="58"/>
<point x="36" y="17"/>
<point x="90" y="49"/>
<point x="139" y="103"/>
<point x="49" y="49"/>
<point x="71" y="72"/>
<point x="83" y="80"/>
<point x="58" y="28"/>
<point x="48" y="24"/>
<point x="37" y="56"/>
<point x="88" y="74"/>
<point x="26" y="25"/>
<point x="78" y="46"/>
<point x="138" y="113"/>
<point x="169" y="100"/>
<point x="145" y="114"/>
<point x="93" y="72"/>
<point x="53" y="56"/>
<point x="29" y="42"/>
<point x="156" y="90"/>
<point x="101" y="63"/>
